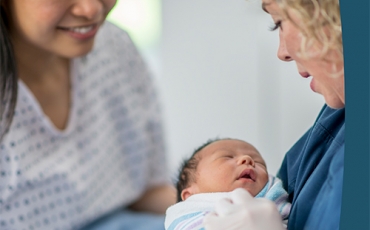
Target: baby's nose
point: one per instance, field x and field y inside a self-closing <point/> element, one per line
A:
<point x="246" y="160"/>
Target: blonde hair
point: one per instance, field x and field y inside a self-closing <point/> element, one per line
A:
<point x="320" y="24"/>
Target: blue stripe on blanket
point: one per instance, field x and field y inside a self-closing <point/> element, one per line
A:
<point x="182" y="218"/>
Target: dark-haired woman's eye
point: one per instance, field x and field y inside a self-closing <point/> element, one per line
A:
<point x="276" y="26"/>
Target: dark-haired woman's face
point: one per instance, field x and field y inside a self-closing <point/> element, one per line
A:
<point x="63" y="27"/>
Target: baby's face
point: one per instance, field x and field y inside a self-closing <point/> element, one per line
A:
<point x="229" y="164"/>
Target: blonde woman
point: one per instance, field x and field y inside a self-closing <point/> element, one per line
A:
<point x="312" y="171"/>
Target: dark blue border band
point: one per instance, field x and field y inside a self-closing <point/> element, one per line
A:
<point x="355" y="27"/>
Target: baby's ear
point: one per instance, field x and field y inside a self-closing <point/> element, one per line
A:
<point x="191" y="190"/>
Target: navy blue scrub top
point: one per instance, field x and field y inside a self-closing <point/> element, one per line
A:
<point x="312" y="173"/>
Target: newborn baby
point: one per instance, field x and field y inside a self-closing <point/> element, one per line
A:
<point x="215" y="169"/>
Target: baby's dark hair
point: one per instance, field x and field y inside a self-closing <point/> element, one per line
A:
<point x="189" y="167"/>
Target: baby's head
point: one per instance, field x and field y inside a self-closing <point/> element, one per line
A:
<point x="222" y="165"/>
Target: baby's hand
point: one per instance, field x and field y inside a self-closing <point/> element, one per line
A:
<point x="242" y="211"/>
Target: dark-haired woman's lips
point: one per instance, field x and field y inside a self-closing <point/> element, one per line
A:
<point x="82" y="32"/>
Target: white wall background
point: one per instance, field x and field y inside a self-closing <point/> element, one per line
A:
<point x="220" y="77"/>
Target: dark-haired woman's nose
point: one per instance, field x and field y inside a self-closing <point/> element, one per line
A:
<point x="89" y="9"/>
<point x="245" y="159"/>
<point x="282" y="51"/>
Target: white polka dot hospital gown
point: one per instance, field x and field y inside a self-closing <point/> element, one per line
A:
<point x="110" y="152"/>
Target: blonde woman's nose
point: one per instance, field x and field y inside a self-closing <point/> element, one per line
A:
<point x="245" y="159"/>
<point x="282" y="51"/>
<point x="89" y="9"/>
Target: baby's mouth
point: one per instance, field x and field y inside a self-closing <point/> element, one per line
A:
<point x="248" y="174"/>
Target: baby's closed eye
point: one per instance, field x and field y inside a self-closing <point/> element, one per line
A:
<point x="228" y="156"/>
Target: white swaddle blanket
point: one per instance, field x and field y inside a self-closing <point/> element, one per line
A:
<point x="189" y="214"/>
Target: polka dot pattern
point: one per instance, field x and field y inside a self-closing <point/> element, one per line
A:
<point x="110" y="152"/>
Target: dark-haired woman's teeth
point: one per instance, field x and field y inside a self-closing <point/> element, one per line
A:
<point x="81" y="30"/>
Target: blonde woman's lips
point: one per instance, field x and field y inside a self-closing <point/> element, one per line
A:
<point x="304" y="74"/>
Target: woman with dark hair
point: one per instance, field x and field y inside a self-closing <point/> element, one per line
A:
<point x="8" y="76"/>
<point x="81" y="132"/>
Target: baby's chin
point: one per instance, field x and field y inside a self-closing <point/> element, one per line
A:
<point x="253" y="190"/>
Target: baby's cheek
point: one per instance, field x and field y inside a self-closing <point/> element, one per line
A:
<point x="266" y="178"/>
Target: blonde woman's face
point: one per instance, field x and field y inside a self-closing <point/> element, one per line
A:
<point x="311" y="65"/>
